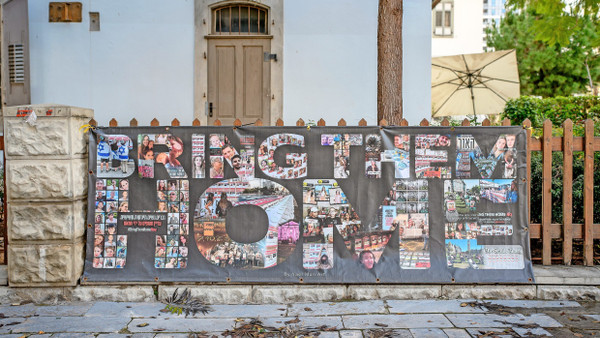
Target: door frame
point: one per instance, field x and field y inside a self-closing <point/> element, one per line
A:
<point x="202" y="28"/>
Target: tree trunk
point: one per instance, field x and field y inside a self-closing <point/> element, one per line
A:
<point x="389" y="62"/>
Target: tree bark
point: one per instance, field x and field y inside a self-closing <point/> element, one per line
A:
<point x="389" y="62"/>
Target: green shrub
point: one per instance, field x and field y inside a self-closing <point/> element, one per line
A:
<point x="557" y="110"/>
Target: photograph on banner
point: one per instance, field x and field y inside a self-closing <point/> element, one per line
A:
<point x="503" y="154"/>
<point x="198" y="151"/>
<point x="331" y="209"/>
<point x="427" y="159"/>
<point x="373" y="149"/>
<point x="110" y="248"/>
<point x="210" y="231"/>
<point x="468" y="254"/>
<point x="171" y="248"/>
<point x="295" y="165"/>
<point x="462" y="230"/>
<point x="222" y="151"/>
<point x="499" y="191"/>
<point x="412" y="219"/>
<point x="464" y="254"/>
<point x="112" y="158"/>
<point x="150" y="152"/>
<point x="461" y="198"/>
<point x="400" y="156"/>
<point x="341" y="155"/>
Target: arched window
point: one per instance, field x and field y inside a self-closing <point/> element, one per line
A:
<point x="240" y="19"/>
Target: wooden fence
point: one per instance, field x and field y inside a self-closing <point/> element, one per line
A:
<point x="546" y="231"/>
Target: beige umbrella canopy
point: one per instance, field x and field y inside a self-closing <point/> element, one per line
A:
<point x="472" y="84"/>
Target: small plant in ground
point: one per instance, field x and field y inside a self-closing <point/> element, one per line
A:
<point x="184" y="303"/>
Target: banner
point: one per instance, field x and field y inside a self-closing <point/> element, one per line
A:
<point x="312" y="205"/>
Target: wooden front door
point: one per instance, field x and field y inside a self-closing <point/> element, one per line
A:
<point x="239" y="85"/>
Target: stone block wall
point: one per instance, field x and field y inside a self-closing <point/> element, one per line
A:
<point x="46" y="191"/>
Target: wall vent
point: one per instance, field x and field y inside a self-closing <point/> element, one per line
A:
<point x="16" y="63"/>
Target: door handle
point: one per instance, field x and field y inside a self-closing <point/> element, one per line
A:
<point x="210" y="109"/>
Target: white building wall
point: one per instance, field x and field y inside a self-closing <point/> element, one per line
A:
<point x="416" y="61"/>
<point x="140" y="63"/>
<point x="468" y="25"/>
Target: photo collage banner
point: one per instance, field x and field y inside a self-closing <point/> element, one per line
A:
<point x="308" y="205"/>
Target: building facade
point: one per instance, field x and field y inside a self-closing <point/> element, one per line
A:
<point x="210" y="59"/>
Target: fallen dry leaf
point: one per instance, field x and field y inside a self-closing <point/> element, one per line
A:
<point x="307" y="309"/>
<point x="380" y="324"/>
<point x="579" y="335"/>
<point x="293" y="321"/>
<point x="142" y="325"/>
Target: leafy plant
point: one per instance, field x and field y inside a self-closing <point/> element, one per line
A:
<point x="184" y="303"/>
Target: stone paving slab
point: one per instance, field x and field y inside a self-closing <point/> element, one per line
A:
<point x="396" y="321"/>
<point x="528" y="332"/>
<point x="493" y="320"/>
<point x="478" y="332"/>
<point x="267" y="310"/>
<point x="432" y="306"/>
<point x="351" y="334"/>
<point x="71" y="324"/>
<point x="26" y="310"/>
<point x="457" y="333"/>
<point x="180" y="324"/>
<point x="343" y="308"/>
<point x="8" y="324"/>
<point x="329" y="334"/>
<point x="73" y="335"/>
<point x="62" y="310"/>
<point x="117" y="309"/>
<point x="530" y="304"/>
<point x="428" y="333"/>
<point x="304" y="322"/>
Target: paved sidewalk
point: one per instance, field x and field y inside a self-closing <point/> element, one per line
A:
<point x="392" y="318"/>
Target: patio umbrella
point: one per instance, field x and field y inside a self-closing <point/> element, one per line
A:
<point x="471" y="84"/>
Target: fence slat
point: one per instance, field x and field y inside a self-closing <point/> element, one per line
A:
<point x="486" y="122"/>
<point x="113" y="123"/>
<point x="133" y="122"/>
<point x="546" y="192"/>
<point x="383" y="123"/>
<point x="527" y="126"/>
<point x="445" y="122"/>
<point x="321" y="123"/>
<point x="588" y="193"/>
<point x="237" y="123"/>
<point x="465" y="123"/>
<point x="404" y="123"/>
<point x="506" y="122"/>
<point x="175" y="123"/>
<point x="93" y="123"/>
<point x="424" y="123"/>
<point x="258" y="123"/>
<point x="341" y="123"/>
<point x="300" y="123"/>
<point x="196" y="123"/>
<point x="154" y="123"/>
<point x="567" y="195"/>
<point x="362" y="123"/>
<point x="217" y="122"/>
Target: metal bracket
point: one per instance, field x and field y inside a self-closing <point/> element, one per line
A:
<point x="269" y="57"/>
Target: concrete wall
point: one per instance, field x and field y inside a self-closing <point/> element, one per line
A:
<point x="141" y="62"/>
<point x="468" y="26"/>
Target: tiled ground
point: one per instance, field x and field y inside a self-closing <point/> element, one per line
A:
<point x="410" y="318"/>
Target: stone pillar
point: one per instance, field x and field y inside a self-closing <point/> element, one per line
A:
<point x="46" y="190"/>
